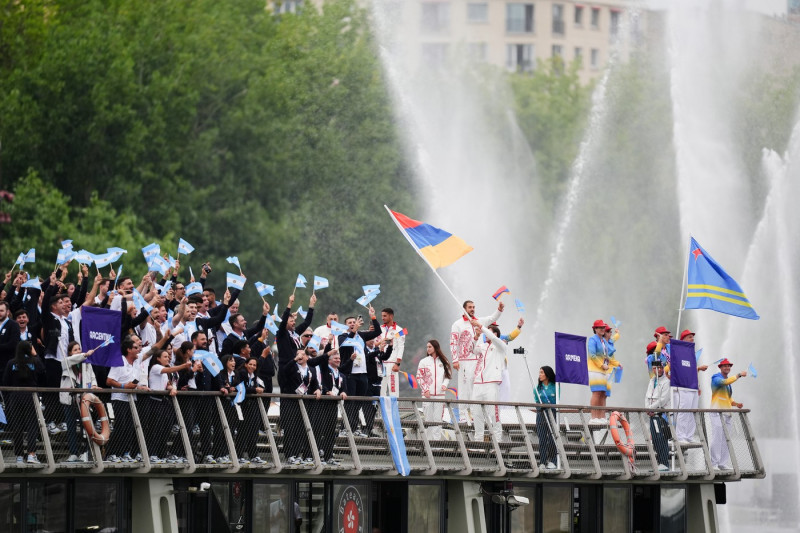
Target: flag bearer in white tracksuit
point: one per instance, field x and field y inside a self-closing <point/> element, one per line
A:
<point x="462" y="342"/>
<point x="394" y="336"/>
<point x="488" y="376"/>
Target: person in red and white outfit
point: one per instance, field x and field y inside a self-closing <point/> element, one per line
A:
<point x="462" y="343"/>
<point x="391" y="333"/>
<point x="488" y="376"/>
<point x="433" y="377"/>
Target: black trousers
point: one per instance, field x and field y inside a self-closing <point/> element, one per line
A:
<point x="357" y="385"/>
<point x="372" y="407"/>
<point x="659" y="431"/>
<point x="123" y="439"/>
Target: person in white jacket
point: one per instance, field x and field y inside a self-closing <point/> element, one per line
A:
<point x="76" y="374"/>
<point x="433" y="377"/>
<point x="488" y="376"/>
<point x="394" y="336"/>
<point x="462" y="343"/>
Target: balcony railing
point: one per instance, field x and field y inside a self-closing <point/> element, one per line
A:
<point x="194" y="425"/>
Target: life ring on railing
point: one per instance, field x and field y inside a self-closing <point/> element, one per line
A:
<point x="88" y="400"/>
<point x="629" y="447"/>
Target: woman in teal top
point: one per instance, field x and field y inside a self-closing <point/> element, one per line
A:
<point x="545" y="393"/>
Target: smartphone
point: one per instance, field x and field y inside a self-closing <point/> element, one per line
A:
<point x="135" y="381"/>
<point x="359" y="318"/>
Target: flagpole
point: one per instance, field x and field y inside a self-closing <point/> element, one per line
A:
<point x="683" y="287"/>
<point x="405" y="234"/>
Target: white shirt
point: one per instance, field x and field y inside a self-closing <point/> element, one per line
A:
<point x="123" y="374"/>
<point x="158" y="380"/>
<point x="391" y="332"/>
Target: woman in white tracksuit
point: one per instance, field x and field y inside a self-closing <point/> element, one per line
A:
<point x="433" y="377"/>
<point x="488" y="376"/>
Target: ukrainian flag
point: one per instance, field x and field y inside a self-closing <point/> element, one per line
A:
<point x="438" y="247"/>
<point x="710" y="287"/>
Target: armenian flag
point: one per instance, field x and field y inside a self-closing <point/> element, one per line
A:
<point x="438" y="247"/>
<point x="499" y="292"/>
<point x="412" y="381"/>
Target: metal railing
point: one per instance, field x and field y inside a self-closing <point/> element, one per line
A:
<point x="195" y="432"/>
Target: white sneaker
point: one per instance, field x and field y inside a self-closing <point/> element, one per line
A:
<point x="84" y="457"/>
<point x="333" y="462"/>
<point x="53" y="429"/>
<point x="126" y="458"/>
<point x="258" y="461"/>
<point x="20" y="459"/>
<point x="210" y="460"/>
<point x="63" y="427"/>
<point x="113" y="459"/>
<point x="294" y="461"/>
<point x="243" y="461"/>
<point x="308" y="461"/>
<point x="551" y="466"/>
<point x="157" y="460"/>
<point x="72" y="459"/>
<point x="663" y="468"/>
<point x="32" y="459"/>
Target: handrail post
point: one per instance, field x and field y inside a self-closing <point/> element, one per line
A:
<point x="226" y="430"/>
<point x="183" y="432"/>
<point x="423" y="435"/>
<point x="312" y="441"/>
<point x="273" y="446"/>
<point x="528" y="444"/>
<point x="357" y="468"/>
<point x="461" y="445"/>
<point x="48" y="447"/>
<point x="139" y="431"/>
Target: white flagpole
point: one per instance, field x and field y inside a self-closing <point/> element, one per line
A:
<point x="683" y="288"/>
<point x="413" y="245"/>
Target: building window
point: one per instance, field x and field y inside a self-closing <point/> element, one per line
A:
<point x="519" y="57"/>
<point x="579" y="55"/>
<point x="478" y="12"/>
<point x="478" y="51"/>
<point x="434" y="55"/>
<point x="558" y="19"/>
<point x="595" y="18"/>
<point x="435" y="16"/>
<point x="557" y="51"/>
<point x="614" y="26"/>
<point x="288" y="6"/>
<point x="579" y="16"/>
<point x="595" y="59"/>
<point x="519" y="18"/>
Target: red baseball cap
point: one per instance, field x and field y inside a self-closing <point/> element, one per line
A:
<point x="651" y="347"/>
<point x="660" y="331"/>
<point x="686" y="332"/>
<point x="725" y="362"/>
<point x="599" y="324"/>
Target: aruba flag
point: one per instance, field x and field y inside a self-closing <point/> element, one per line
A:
<point x="710" y="287"/>
<point x="438" y="247"/>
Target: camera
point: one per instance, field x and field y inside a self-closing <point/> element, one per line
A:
<point x="520" y="350"/>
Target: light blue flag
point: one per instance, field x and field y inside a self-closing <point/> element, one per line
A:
<point x="264" y="289"/>
<point x="171" y="261"/>
<point x="752" y="370"/>
<point x="103" y="260"/>
<point x="320" y="283"/>
<point x="3" y="416"/>
<point x="314" y="342"/>
<point x="390" y="414"/>
<point x="234" y="261"/>
<point x="65" y="255"/>
<point x="710" y="287"/>
<point x="151" y="250"/>
<point x="697" y="354"/>
<point x="357" y="346"/>
<point x="269" y="322"/>
<point x="30" y="257"/>
<point x="338" y="328"/>
<point x="32" y="283"/>
<point x="194" y="288"/>
<point x="119" y="272"/>
<point x="83" y="257"/>
<point x="210" y="361"/>
<point x="106" y="342"/>
<point x="184" y="247"/>
<point x="66" y="244"/>
<point x="615" y="322"/>
<point x="236" y="281"/>
<point x="366" y="299"/>
<point x="301" y="312"/>
<point x="617" y="374"/>
<point x="20" y="259"/>
<point x="140" y="302"/>
<point x="370" y="288"/>
<point x="116" y="253"/>
<point x="301" y="281"/>
<point x="239" y="394"/>
<point x="158" y="264"/>
<point x="167" y="286"/>
<point x="520" y="305"/>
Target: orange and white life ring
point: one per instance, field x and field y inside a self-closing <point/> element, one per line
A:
<point x="629" y="448"/>
<point x="88" y="400"/>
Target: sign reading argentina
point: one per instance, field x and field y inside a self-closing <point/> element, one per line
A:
<point x="571" y="366"/>
<point x="98" y="326"/>
<point x="683" y="364"/>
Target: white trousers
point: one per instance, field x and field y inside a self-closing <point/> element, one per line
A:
<point x="685" y="424"/>
<point x="466" y="378"/>
<point x="486" y="415"/>
<point x="720" y="455"/>
<point x="434" y="412"/>
<point x="390" y="384"/>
